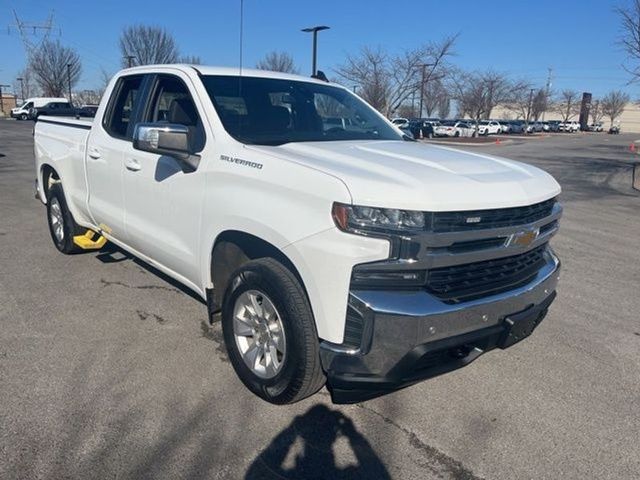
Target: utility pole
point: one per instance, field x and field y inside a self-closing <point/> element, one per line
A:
<point x="315" y="31"/>
<point x="422" y="82"/>
<point x="29" y="31"/>
<point x="69" y="81"/>
<point x="547" y="92"/>
<point x="1" y="99"/>
<point x="129" y="59"/>
<point x="529" y="109"/>
<point x="21" y="80"/>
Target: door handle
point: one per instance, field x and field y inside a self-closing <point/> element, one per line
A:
<point x="132" y="164"/>
<point x="94" y="153"/>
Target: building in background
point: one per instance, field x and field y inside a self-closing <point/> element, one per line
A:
<point x="8" y="101"/>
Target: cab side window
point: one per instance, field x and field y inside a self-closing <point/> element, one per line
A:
<point x="123" y="102"/>
<point x="172" y="103"/>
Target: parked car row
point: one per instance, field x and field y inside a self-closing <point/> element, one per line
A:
<point x="433" y="127"/>
<point x="32" y="108"/>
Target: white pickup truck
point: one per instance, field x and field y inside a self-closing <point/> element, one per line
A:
<point x="338" y="255"/>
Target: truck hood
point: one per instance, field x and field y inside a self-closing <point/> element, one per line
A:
<point x="415" y="176"/>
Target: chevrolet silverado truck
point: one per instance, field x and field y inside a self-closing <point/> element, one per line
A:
<point x="342" y="255"/>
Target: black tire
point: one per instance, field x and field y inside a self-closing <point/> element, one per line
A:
<point x="24" y="116"/>
<point x="69" y="226"/>
<point x="457" y="134"/>
<point x="301" y="373"/>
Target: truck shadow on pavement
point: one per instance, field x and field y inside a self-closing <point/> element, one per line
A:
<point x="111" y="253"/>
<point x="304" y="449"/>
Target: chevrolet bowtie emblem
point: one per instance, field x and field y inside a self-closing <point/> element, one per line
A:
<point x="525" y="238"/>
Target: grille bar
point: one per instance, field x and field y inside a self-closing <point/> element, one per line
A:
<point x="474" y="280"/>
<point x="496" y="218"/>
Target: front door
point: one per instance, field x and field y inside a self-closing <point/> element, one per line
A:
<point x="163" y="204"/>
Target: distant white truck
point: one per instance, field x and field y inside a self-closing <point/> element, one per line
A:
<point x="345" y="256"/>
<point x="23" y="111"/>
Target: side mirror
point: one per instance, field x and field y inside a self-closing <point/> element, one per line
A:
<point x="166" y="139"/>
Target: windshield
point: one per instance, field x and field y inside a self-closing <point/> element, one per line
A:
<point x="269" y="111"/>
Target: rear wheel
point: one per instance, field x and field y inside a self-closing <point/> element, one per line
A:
<point x="62" y="226"/>
<point x="270" y="333"/>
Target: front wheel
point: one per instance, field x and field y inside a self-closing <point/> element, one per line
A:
<point x="24" y="116"/>
<point x="270" y="333"/>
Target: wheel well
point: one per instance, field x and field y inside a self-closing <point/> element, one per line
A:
<point x="49" y="176"/>
<point x="232" y="249"/>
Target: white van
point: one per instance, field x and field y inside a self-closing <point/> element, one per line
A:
<point x="22" y="112"/>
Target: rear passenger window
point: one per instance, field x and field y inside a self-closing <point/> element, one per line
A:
<point x="121" y="108"/>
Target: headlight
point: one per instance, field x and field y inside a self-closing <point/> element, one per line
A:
<point x="355" y="219"/>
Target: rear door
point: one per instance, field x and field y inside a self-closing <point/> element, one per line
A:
<point x="107" y="143"/>
<point x="163" y="203"/>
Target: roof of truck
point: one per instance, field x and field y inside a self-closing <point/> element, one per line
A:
<point x="230" y="71"/>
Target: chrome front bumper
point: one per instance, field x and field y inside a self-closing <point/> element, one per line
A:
<point x="403" y="330"/>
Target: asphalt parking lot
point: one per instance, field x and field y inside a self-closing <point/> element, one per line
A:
<point x="107" y="369"/>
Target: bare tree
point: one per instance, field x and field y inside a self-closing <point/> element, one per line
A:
<point x="613" y="104"/>
<point x="49" y="66"/>
<point x="406" y="110"/>
<point x="630" y="38"/>
<point x="596" y="111"/>
<point x="369" y="72"/>
<point x="28" y="86"/>
<point x="568" y="104"/>
<point x="278" y="62"/>
<point x="538" y="104"/>
<point x="148" y="45"/>
<point x="521" y="100"/>
<point x="387" y="81"/>
<point x="444" y="107"/>
<point x="478" y="93"/>
<point x="105" y="78"/>
<point x="435" y="95"/>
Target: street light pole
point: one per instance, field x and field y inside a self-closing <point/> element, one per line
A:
<point x="69" y="81"/>
<point x="129" y="59"/>
<point x="315" y="31"/>
<point x="21" y="80"/>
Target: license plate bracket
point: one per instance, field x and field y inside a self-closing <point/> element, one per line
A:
<point x="519" y="326"/>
